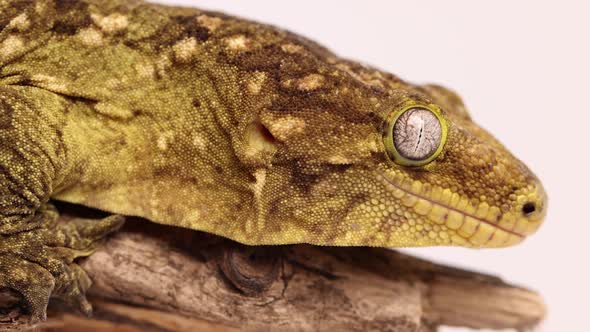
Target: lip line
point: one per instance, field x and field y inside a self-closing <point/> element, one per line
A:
<point x="465" y="214"/>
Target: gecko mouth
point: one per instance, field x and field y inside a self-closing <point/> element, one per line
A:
<point x="467" y="225"/>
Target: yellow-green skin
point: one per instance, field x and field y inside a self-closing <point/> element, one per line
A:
<point x="214" y="123"/>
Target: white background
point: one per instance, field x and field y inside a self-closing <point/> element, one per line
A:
<point x="523" y="69"/>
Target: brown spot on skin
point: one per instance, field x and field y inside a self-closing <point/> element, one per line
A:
<point x="71" y="17"/>
<point x="305" y="178"/>
<point x="218" y="169"/>
<point x="191" y="27"/>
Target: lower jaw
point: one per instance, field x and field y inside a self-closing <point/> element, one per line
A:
<point x="456" y="227"/>
<point x="484" y="235"/>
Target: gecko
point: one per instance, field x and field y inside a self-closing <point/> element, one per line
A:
<point x="219" y="124"/>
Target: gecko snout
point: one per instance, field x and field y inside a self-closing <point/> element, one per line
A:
<point x="533" y="210"/>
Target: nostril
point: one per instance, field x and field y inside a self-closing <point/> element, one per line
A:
<point x="528" y="208"/>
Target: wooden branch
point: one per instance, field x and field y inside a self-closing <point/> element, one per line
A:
<point x="152" y="277"/>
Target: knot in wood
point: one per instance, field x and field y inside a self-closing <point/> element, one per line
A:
<point x="252" y="270"/>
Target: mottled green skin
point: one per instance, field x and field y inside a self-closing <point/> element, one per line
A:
<point x="214" y="123"/>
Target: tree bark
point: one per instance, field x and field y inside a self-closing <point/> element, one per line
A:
<point x="150" y="277"/>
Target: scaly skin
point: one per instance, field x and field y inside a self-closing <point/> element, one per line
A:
<point x="214" y="123"/>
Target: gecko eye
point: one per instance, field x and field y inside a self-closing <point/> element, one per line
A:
<point x="416" y="135"/>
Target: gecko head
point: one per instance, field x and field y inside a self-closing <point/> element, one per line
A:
<point x="451" y="178"/>
<point x="399" y="165"/>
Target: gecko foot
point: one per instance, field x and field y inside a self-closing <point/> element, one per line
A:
<point x="39" y="263"/>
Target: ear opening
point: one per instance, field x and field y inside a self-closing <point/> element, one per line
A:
<point x="259" y="132"/>
<point x="259" y="144"/>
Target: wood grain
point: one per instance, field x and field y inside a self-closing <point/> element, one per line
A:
<point x="150" y="277"/>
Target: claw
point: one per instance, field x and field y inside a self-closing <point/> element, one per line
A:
<point x="76" y="284"/>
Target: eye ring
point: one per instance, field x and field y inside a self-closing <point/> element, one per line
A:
<point x="430" y="153"/>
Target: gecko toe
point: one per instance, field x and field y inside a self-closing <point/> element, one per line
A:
<point x="40" y="263"/>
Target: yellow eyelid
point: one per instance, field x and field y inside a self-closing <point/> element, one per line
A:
<point x="390" y="148"/>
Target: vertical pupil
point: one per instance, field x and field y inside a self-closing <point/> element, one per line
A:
<point x="415" y="128"/>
